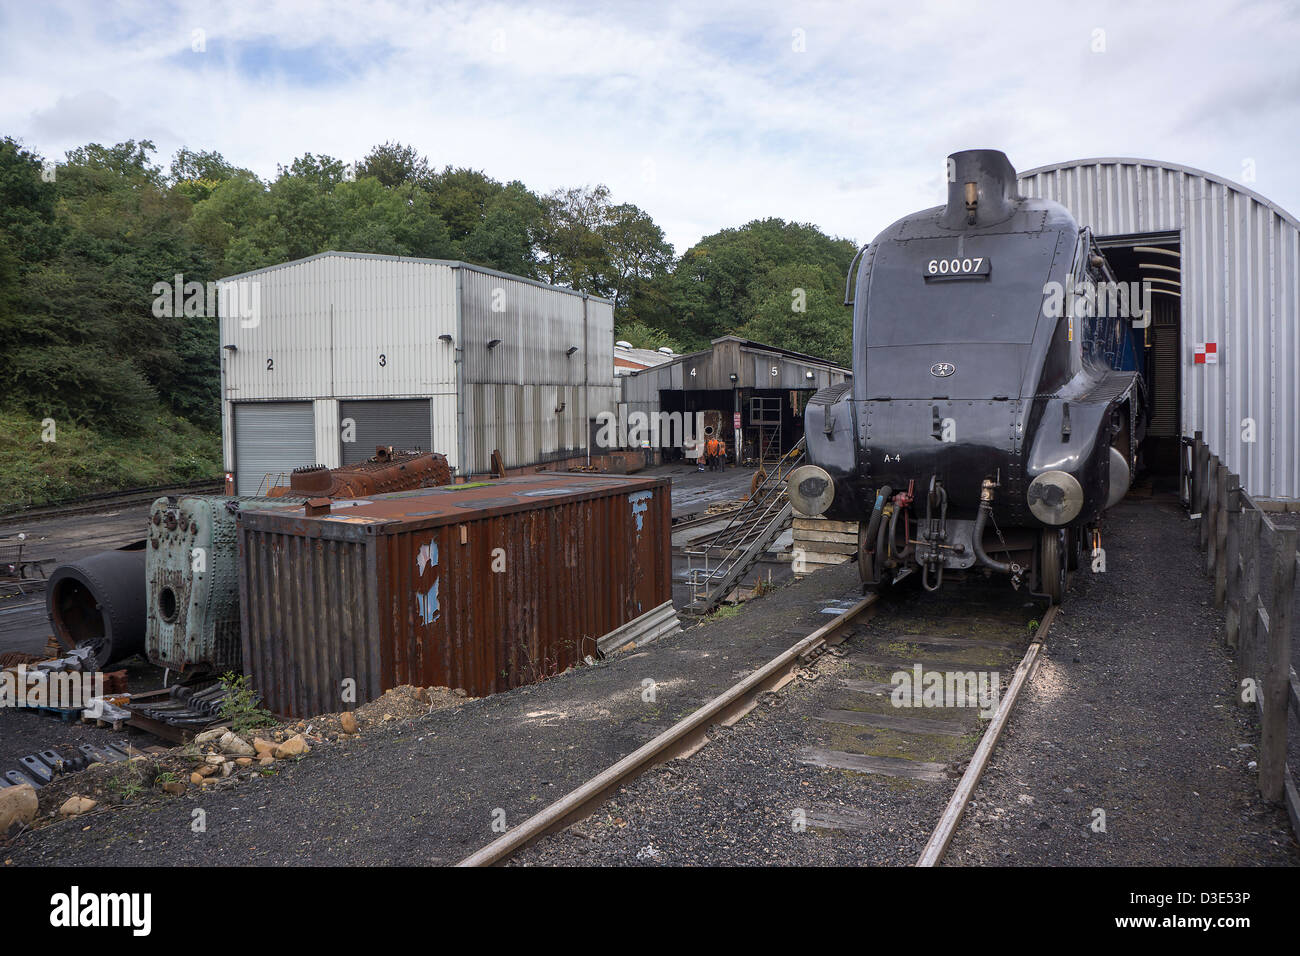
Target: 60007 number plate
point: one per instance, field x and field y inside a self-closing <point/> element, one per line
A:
<point x="957" y="267"/>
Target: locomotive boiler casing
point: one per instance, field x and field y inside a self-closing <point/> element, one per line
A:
<point x="966" y="374"/>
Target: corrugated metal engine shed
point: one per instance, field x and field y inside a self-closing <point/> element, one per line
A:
<point x="484" y="586"/>
<point x="1224" y="266"/>
<point x="326" y="357"/>
<point x="737" y="379"/>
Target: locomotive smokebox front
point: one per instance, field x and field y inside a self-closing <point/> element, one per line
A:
<point x="989" y="421"/>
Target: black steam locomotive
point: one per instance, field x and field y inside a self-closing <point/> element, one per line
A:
<point x="998" y="398"/>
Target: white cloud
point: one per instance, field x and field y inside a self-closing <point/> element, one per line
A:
<point x="849" y="134"/>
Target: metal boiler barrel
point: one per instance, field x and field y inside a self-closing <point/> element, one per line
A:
<point x="100" y="601"/>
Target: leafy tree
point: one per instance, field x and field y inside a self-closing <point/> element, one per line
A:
<point x="643" y="336"/>
<point x="573" y="250"/>
<point x="636" y="250"/>
<point x="395" y="165"/>
<point x="222" y="222"/>
<point x="462" y="197"/>
<point x="189" y="164"/>
<point x="800" y="307"/>
<point x="325" y="172"/>
<point x="82" y="342"/>
<point x="400" y="222"/>
<point x="196" y="174"/>
<point x="718" y="283"/>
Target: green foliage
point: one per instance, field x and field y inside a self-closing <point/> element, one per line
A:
<point x="241" y="705"/>
<point x="727" y="280"/>
<point x="395" y="165"/>
<point x="82" y="251"/>
<point x="725" y="612"/>
<point x="800" y="307"/>
<point x="130" y="779"/>
<point x="643" y="336"/>
<point x="84" y="460"/>
<point x="78" y="261"/>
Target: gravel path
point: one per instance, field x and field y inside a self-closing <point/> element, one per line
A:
<point x="1132" y="711"/>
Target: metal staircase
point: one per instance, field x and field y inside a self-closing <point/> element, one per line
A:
<point x="715" y="567"/>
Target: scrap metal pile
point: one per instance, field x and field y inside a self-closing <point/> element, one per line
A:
<point x="174" y="596"/>
<point x="41" y="768"/>
<point x="366" y="574"/>
<point x="386" y="471"/>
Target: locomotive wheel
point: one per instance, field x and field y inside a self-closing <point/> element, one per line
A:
<point x="1052" y="563"/>
<point x="1076" y="536"/>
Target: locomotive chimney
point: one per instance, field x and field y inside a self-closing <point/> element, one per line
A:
<point x="981" y="188"/>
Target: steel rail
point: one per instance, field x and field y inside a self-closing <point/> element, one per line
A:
<point x="108" y="500"/>
<point x="684" y="737"/>
<point x="704" y="519"/>
<point x="952" y="814"/>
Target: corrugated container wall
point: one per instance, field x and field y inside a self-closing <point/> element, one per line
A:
<point x="1240" y="288"/>
<point x="484" y="586"/>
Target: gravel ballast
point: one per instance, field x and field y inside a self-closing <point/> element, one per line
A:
<point x="431" y="789"/>
<point x="1131" y="711"/>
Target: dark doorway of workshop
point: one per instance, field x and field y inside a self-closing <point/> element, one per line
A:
<point x="1155" y="259"/>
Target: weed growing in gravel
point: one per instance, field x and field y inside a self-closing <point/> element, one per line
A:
<point x="240" y="706"/>
<point x="126" y="782"/>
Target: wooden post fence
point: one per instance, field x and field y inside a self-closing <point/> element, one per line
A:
<point x="1233" y="532"/>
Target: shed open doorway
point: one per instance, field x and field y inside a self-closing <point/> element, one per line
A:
<point x="1156" y="260"/>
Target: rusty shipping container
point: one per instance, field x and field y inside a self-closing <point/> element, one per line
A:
<point x="484" y="586"/>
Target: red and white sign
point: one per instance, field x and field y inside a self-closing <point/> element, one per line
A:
<point x="1207" y="353"/>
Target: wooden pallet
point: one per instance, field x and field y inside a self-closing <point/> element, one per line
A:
<point x="103" y="722"/>
<point x="66" y="714"/>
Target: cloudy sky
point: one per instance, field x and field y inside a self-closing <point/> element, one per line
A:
<point x="705" y="114"/>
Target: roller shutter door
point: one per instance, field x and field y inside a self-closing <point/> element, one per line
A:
<point x="406" y="424"/>
<point x="271" y="438"/>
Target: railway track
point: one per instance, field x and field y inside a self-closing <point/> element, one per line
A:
<point x="109" y="501"/>
<point x="845" y="715"/>
<point x="703" y="519"/>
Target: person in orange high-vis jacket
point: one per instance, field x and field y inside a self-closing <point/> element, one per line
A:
<point x="715" y="450"/>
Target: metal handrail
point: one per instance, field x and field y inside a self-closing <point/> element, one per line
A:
<point x="751" y="524"/>
<point x="772" y="479"/>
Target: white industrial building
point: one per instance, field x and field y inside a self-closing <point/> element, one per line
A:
<point x="326" y="357"/>
<point x="1223" y="264"/>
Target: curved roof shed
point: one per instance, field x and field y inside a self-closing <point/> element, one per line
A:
<point x="1239" y="289"/>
